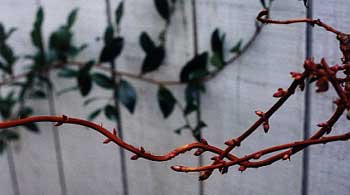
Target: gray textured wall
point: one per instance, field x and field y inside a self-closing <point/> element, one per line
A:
<point x="231" y="98"/>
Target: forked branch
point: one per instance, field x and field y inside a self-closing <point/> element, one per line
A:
<point x="320" y="73"/>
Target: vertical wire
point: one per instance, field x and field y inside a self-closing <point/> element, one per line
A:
<point x="306" y="156"/>
<point x="13" y="172"/>
<point x="198" y="98"/>
<point x="56" y="136"/>
<point x="12" y="169"/>
<point x="57" y="144"/>
<point x="116" y="81"/>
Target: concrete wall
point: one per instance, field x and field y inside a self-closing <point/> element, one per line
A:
<point x="228" y="105"/>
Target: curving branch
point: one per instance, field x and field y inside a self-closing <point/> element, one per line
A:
<point x="321" y="73"/>
<point x="262" y="17"/>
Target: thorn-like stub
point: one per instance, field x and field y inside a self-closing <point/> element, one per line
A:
<point x="115" y="131"/>
<point x="135" y="157"/>
<point x="280" y="93"/>
<point x="64" y="117"/>
<point x="257" y="155"/>
<point x="266" y="127"/>
<point x="58" y="124"/>
<point x="309" y="64"/>
<point x="203" y="175"/>
<point x="296" y="75"/>
<point x="242" y="168"/>
<point x="260" y="113"/>
<point x="199" y="152"/>
<point x="230" y="142"/>
<point x="203" y="141"/>
<point x="107" y="141"/>
<point x="286" y="157"/>
<point x="224" y="170"/>
<point x="177" y="168"/>
<point x="142" y="150"/>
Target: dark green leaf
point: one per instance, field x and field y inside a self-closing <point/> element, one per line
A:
<point x="8" y="135"/>
<point x="237" y="47"/>
<point x="166" y="101"/>
<point x="111" y="112"/>
<point x="36" y="34"/>
<point x="153" y="60"/>
<point x="146" y="43"/>
<point x="109" y="34"/>
<point x="112" y="50"/>
<point x="2" y="33"/>
<point x="306" y="3"/>
<point x="189" y="109"/>
<point x="119" y="13"/>
<point x="263" y="4"/>
<point x="25" y="112"/>
<point x="87" y="67"/>
<point x="7" y="54"/>
<point x="38" y="94"/>
<point x="94" y="114"/>
<point x="60" y="41"/>
<point x="217" y="61"/>
<point x="84" y="83"/>
<point x="72" y="17"/>
<point x="67" y="73"/>
<point x="163" y="9"/>
<point x="195" y="68"/>
<point x="2" y="146"/>
<point x="191" y="92"/>
<point x="103" y="80"/>
<point x="32" y="127"/>
<point x="127" y="95"/>
<point x="197" y="132"/>
<point x="217" y="44"/>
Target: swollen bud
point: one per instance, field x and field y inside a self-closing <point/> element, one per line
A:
<point x="266" y="127"/>
<point x="279" y="93"/>
<point x="286" y="156"/>
<point x="296" y="75"/>
<point x="257" y="156"/>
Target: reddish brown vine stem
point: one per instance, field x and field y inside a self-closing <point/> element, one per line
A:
<point x="321" y="73"/>
<point x="112" y="137"/>
<point x="317" y="22"/>
<point x="212" y="75"/>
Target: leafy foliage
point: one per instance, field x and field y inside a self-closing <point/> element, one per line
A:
<point x="155" y="55"/>
<point x="166" y="101"/>
<point x="163" y="9"/>
<point x="196" y="68"/>
<point x="127" y="95"/>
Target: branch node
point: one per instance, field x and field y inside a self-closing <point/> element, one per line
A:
<point x="134" y="157"/>
<point x="115" y="132"/>
<point x="242" y="168"/>
<point x="266" y="126"/>
<point x="257" y="155"/>
<point x="296" y="75"/>
<point x="199" y="152"/>
<point x="203" y="141"/>
<point x="280" y="93"/>
<point x="107" y="141"/>
<point x="142" y="150"/>
<point x="232" y="142"/>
